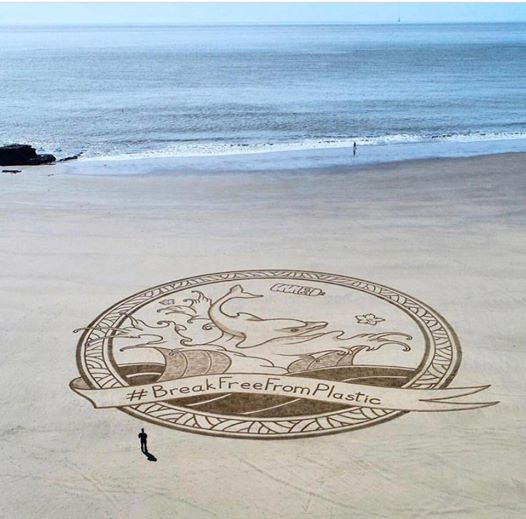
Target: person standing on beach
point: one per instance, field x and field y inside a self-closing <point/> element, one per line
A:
<point x="354" y="146"/>
<point x="142" y="437"/>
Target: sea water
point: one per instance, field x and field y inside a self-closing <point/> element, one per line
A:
<point x="276" y="95"/>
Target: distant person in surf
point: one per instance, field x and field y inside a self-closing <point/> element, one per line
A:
<point x="354" y="146"/>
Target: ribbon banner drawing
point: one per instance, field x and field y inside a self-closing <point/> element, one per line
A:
<point x="375" y="397"/>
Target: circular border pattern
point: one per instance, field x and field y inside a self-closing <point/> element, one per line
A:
<point x="438" y="367"/>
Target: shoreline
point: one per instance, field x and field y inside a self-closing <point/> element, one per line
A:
<point x="266" y="157"/>
<point x="165" y="167"/>
<point x="290" y="160"/>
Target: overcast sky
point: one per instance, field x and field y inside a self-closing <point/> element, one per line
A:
<point x="119" y="13"/>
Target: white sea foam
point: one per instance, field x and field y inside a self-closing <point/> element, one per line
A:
<point x="187" y="149"/>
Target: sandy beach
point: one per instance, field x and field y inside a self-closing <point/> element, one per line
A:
<point x="450" y="232"/>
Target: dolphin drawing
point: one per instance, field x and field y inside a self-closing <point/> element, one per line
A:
<point x="253" y="330"/>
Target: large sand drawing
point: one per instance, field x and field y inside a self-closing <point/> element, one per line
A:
<point x="270" y="354"/>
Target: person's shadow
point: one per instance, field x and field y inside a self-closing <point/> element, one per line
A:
<point x="150" y="456"/>
<point x="144" y="448"/>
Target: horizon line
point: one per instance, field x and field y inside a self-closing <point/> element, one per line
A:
<point x="256" y="24"/>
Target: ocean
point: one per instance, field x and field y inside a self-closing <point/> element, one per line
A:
<point x="285" y="94"/>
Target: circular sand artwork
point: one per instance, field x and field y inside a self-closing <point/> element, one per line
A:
<point x="270" y="354"/>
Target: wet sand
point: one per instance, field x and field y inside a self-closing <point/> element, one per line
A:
<point x="450" y="232"/>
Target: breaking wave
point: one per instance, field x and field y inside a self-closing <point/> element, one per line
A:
<point x="221" y="148"/>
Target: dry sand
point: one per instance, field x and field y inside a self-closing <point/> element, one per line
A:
<point x="449" y="232"/>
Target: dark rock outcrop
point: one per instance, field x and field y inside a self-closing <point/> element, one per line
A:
<point x="23" y="155"/>
<point x="72" y="157"/>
